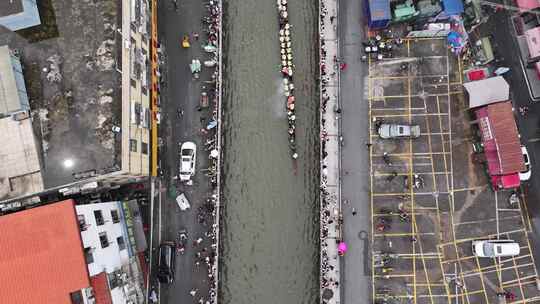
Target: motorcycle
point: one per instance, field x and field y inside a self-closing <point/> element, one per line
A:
<point x="185" y="42"/>
<point x="182" y="240"/>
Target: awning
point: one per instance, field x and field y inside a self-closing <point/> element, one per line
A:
<point x="487" y="91"/>
<point x="525" y="5"/>
<point x="533" y="41"/>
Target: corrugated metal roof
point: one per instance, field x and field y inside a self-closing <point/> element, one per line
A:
<point x="42" y="259"/>
<point x="101" y="289"/>
<point x="503" y="126"/>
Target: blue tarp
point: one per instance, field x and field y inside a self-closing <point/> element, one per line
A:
<point x="379" y="13"/>
<point x="453" y="7"/>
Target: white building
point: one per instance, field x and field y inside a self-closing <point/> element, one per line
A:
<point x="107" y="249"/>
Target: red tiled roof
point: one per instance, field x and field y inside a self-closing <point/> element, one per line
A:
<point x="41" y="260"/>
<point x="506" y="137"/>
<point x="101" y="288"/>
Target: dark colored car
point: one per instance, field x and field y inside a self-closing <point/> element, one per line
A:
<point x="167" y="256"/>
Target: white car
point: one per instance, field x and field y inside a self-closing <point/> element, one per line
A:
<point x="525" y="175"/>
<point x="495" y="248"/>
<point x="188" y="155"/>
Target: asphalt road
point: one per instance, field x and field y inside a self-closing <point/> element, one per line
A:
<point x="356" y="264"/>
<point x="181" y="121"/>
<point x="507" y="51"/>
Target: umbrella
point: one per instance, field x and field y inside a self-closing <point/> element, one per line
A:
<point x="327" y="294"/>
<point x="287" y="32"/>
<point x="287" y="26"/>
<point x="342" y="248"/>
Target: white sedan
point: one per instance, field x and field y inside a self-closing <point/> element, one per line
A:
<point x="188" y="155"/>
<point x="525" y="175"/>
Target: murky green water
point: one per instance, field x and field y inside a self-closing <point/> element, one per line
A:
<point x="270" y="234"/>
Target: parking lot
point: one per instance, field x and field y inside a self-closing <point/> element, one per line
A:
<point x="424" y="232"/>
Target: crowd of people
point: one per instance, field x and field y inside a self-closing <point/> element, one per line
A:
<point x="331" y="218"/>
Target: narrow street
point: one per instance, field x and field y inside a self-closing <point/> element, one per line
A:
<point x="505" y="43"/>
<point x="356" y="264"/>
<point x="181" y="121"/>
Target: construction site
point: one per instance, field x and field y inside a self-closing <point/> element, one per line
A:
<point x="429" y="198"/>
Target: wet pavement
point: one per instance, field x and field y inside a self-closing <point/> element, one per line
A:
<point x="270" y="221"/>
<point x="505" y="45"/>
<point x="181" y="121"/>
<point x="422" y="233"/>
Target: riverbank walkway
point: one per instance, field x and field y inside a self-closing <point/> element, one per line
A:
<point x="331" y="216"/>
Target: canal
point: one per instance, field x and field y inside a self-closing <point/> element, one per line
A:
<point x="270" y="236"/>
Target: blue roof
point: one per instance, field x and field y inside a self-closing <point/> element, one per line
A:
<point x="379" y="10"/>
<point x="453" y="7"/>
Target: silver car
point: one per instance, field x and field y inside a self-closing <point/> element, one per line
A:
<point x="396" y="131"/>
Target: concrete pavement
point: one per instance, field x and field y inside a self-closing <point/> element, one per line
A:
<point x="506" y="46"/>
<point x="331" y="233"/>
<point x="356" y="264"/>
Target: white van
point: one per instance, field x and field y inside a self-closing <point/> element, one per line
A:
<point x="495" y="248"/>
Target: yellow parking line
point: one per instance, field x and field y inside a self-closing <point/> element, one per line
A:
<point x="481" y="278"/>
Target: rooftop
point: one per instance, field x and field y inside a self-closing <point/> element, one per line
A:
<point x="74" y="87"/>
<point x="100" y="285"/>
<point x="19" y="14"/>
<point x="12" y="88"/>
<point x="19" y="161"/>
<point x="41" y="260"/>
<point x="10" y="7"/>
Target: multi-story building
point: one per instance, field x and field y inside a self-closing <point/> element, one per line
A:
<point x="42" y="259"/>
<point x="62" y="253"/>
<point x="109" y="250"/>
<point x="88" y="88"/>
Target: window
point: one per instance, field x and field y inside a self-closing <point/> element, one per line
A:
<point x="133" y="145"/>
<point x="144" y="148"/>
<point x="121" y="243"/>
<point x="103" y="239"/>
<point x="82" y="222"/>
<point x="88" y="256"/>
<point x="99" y="217"/>
<point x="115" y="217"/>
<point x="133" y="83"/>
